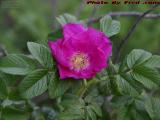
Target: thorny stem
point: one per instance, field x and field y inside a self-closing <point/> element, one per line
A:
<point x="125" y="14"/>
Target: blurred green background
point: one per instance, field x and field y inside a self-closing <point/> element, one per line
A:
<point x="32" y="20"/>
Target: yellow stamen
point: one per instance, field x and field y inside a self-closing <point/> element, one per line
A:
<point x="79" y="61"/>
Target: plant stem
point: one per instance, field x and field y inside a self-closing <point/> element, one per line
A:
<point x="85" y="87"/>
<point x="85" y="82"/>
<point x="82" y="91"/>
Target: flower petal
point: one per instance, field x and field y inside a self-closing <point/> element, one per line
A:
<point x="98" y="60"/>
<point x="106" y="47"/>
<point x="60" y="51"/>
<point x="65" y="72"/>
<point x="71" y="29"/>
<point x="101" y="40"/>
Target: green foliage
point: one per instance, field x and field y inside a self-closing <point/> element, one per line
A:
<point x="67" y="18"/>
<point x="135" y="72"/>
<point x="80" y="109"/>
<point x="41" y="54"/>
<point x="11" y="113"/>
<point x="126" y="86"/>
<point x="152" y="106"/>
<point x="153" y="62"/>
<point x="123" y="91"/>
<point x="137" y="57"/>
<point x="130" y="113"/>
<point x="3" y="89"/>
<point x="56" y="85"/>
<point x="109" y="27"/>
<point x="16" y="64"/>
<point x="34" y="84"/>
<point x="126" y="82"/>
<point x="130" y="108"/>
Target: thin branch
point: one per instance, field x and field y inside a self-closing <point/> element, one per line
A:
<point x="126" y="39"/>
<point x="119" y="14"/>
<point x="126" y="14"/>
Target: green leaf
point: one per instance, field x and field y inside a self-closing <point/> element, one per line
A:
<point x="70" y="100"/>
<point x="114" y="86"/>
<point x="58" y="87"/>
<point x="73" y="108"/>
<point x="139" y="115"/>
<point x="130" y="112"/>
<point x="90" y="114"/>
<point x="152" y="106"/>
<point x="123" y="114"/>
<point x="8" y="79"/>
<point x="3" y="89"/>
<point x="153" y="62"/>
<point x="136" y="57"/>
<point x="141" y="67"/>
<point x="94" y="97"/>
<point x="125" y="87"/>
<point x="127" y="84"/>
<point x="63" y="19"/>
<point x="34" y="84"/>
<point x="42" y="54"/>
<point x="16" y="64"/>
<point x="68" y="116"/>
<point x="67" y="18"/>
<point x="10" y="113"/>
<point x="135" y="84"/>
<point x="15" y="70"/>
<point x="7" y="102"/>
<point x="120" y="101"/>
<point x="145" y="74"/>
<point x="97" y="109"/>
<point x="108" y="26"/>
<point x="144" y="80"/>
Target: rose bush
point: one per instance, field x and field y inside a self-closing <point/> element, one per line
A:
<point x="32" y="86"/>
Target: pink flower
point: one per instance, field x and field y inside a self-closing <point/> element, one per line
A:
<point x="82" y="52"/>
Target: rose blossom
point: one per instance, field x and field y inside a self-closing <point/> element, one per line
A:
<point x="82" y="52"/>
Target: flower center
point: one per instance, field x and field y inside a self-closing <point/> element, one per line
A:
<point x="79" y="61"/>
